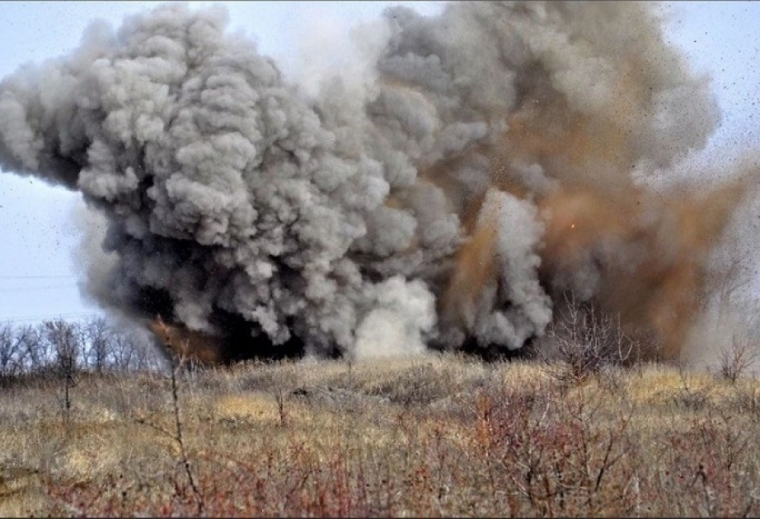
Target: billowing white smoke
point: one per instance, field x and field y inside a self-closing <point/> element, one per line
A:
<point x="527" y="307"/>
<point x="402" y="314"/>
<point x="336" y="217"/>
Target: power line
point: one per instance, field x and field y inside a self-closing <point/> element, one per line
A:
<point x="52" y="276"/>
<point x="79" y="315"/>
<point x="44" y="287"/>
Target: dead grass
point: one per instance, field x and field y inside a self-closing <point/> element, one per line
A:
<point x="433" y="435"/>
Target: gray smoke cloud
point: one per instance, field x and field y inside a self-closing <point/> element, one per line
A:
<point x="417" y="204"/>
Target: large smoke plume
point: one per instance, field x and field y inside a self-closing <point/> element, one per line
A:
<point x="490" y="160"/>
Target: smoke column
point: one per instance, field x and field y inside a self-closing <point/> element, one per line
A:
<point x="488" y="162"/>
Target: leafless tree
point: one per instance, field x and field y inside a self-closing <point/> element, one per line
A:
<point x="98" y="336"/>
<point x="11" y="350"/>
<point x="133" y="350"/>
<point x="36" y="347"/>
<point x="65" y="339"/>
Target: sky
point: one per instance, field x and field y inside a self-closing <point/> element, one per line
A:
<point x="38" y="236"/>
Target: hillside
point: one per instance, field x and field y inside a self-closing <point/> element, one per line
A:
<point x="432" y="435"/>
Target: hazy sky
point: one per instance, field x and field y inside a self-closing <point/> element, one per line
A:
<point x="38" y="275"/>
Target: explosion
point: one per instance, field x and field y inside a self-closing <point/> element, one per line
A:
<point x="495" y="159"/>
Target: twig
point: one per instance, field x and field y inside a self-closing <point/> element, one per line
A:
<point x="179" y="437"/>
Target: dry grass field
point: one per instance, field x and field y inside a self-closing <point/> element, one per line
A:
<point x="428" y="436"/>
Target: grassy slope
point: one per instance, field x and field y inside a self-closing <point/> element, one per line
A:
<point x="438" y="435"/>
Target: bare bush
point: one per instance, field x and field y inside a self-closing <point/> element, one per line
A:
<point x="746" y="400"/>
<point x="691" y="396"/>
<point x="586" y="340"/>
<point x="737" y="358"/>
<point x="176" y="434"/>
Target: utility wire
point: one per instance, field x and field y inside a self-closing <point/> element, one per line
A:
<point x="52" y="276"/>
<point x="40" y="276"/>
<point x="80" y="315"/>
<point x="44" y="287"/>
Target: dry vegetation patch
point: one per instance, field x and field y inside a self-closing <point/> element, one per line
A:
<point x="433" y="435"/>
